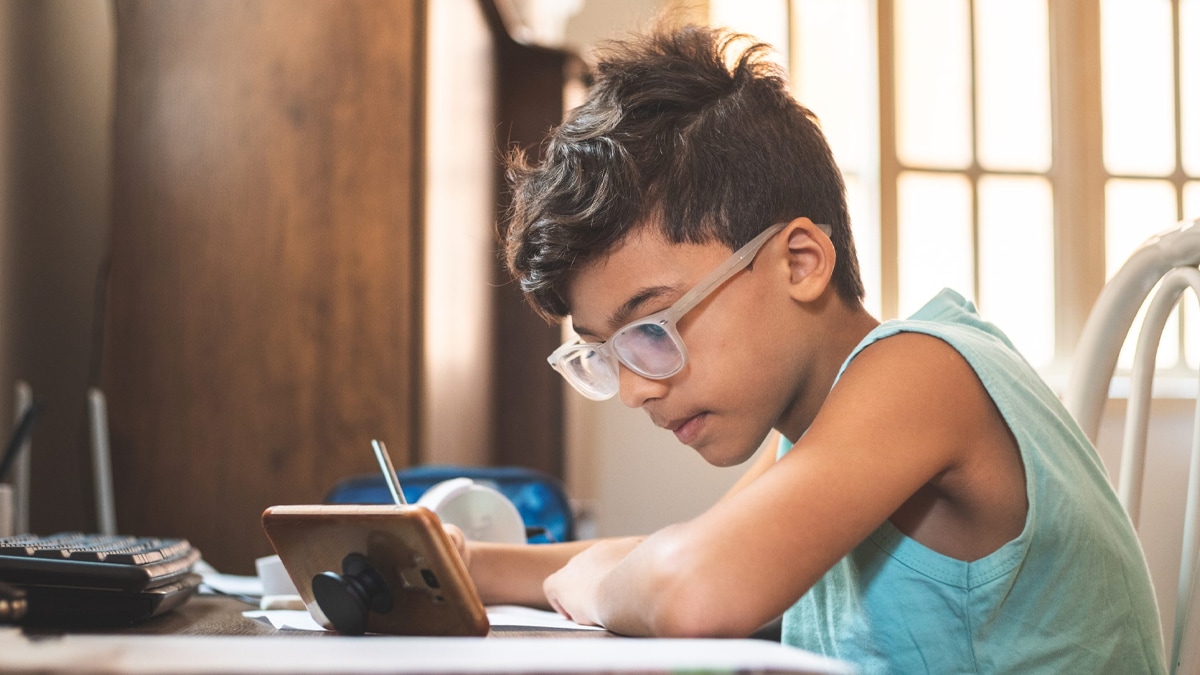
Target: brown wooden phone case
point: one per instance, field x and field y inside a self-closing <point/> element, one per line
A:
<point x="429" y="589"/>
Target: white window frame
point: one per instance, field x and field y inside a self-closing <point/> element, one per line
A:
<point x="1077" y="174"/>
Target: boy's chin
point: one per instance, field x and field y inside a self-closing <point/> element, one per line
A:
<point x="723" y="455"/>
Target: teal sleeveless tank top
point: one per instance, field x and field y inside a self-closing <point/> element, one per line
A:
<point x="1071" y="594"/>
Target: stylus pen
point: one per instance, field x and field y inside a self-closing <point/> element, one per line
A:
<point x="389" y="473"/>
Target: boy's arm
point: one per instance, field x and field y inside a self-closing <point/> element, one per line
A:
<point x="902" y="414"/>
<point x="513" y="574"/>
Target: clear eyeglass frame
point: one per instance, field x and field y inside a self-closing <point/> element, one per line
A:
<point x="650" y="346"/>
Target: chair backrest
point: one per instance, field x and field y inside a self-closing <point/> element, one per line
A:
<point x="1169" y="261"/>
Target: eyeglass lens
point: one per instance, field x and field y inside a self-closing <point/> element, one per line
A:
<point x="649" y="349"/>
<point x="589" y="371"/>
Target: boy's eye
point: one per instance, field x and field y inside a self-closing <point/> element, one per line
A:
<point x="649" y="348"/>
<point x="646" y="332"/>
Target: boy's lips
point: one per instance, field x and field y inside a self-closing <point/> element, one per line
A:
<point x="686" y="429"/>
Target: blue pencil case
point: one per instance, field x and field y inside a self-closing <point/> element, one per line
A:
<point x="539" y="498"/>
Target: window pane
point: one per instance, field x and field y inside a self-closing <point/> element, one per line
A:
<point x="1137" y="82"/>
<point x="935" y="239"/>
<point x="933" y="83"/>
<point x="1189" y="77"/>
<point x="833" y="73"/>
<point x="1016" y="262"/>
<point x="1191" y="200"/>
<point x="1013" y="85"/>
<point x="766" y="20"/>
<point x="1135" y="210"/>
<point x="863" y="215"/>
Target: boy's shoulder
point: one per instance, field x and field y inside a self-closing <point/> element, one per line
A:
<point x="913" y="417"/>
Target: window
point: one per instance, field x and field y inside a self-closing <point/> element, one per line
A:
<point x="1150" y="65"/>
<point x="987" y="146"/>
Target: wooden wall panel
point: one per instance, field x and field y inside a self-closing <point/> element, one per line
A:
<point x="262" y="321"/>
<point x="528" y="401"/>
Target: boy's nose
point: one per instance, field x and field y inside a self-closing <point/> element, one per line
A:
<point x="634" y="390"/>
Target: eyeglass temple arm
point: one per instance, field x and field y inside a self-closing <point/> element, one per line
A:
<point x="736" y="263"/>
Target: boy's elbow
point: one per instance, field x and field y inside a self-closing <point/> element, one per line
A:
<point x="688" y="604"/>
<point x="690" y="614"/>
<point x="686" y="620"/>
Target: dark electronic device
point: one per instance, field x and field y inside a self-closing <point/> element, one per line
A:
<point x="79" y="578"/>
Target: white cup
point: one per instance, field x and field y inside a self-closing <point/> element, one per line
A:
<point x="7" y="517"/>
<point x="481" y="512"/>
<point x="278" y="590"/>
<point x="274" y="576"/>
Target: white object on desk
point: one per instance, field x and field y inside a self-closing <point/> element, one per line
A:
<point x="278" y="591"/>
<point x="172" y="655"/>
<point x="274" y="577"/>
<point x="481" y="512"/>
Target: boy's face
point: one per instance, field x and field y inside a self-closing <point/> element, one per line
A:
<point x="744" y="365"/>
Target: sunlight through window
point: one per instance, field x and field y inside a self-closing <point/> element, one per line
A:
<point x="936" y="251"/>
<point x="1137" y="83"/>
<point x="1016" y="262"/>
<point x="1013" y="85"/>
<point x="1189" y="81"/>
<point x="1136" y="210"/>
<point x="969" y="188"/>
<point x="933" y="83"/>
<point x="834" y="76"/>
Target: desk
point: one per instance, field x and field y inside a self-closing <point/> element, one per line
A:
<point x="221" y="615"/>
<point x="201" y="615"/>
<point x="209" y="635"/>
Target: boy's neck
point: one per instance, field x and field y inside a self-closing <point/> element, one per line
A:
<point x="846" y="325"/>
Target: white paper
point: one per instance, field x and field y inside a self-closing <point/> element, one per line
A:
<point x="516" y="616"/>
<point x="227" y="584"/>
<point x="284" y="619"/>
<point x="499" y="616"/>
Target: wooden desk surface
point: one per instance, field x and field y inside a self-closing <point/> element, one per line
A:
<point x="200" y="615"/>
<point x="222" y="615"/>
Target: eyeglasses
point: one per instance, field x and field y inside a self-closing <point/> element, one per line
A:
<point x="650" y="346"/>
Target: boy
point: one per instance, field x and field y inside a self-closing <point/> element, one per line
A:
<point x="933" y="508"/>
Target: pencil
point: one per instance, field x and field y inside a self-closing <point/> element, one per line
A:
<point x="389" y="473"/>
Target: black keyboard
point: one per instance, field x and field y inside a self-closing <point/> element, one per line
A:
<point x="80" y="578"/>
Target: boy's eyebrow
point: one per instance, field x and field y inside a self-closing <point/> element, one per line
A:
<point x="621" y="316"/>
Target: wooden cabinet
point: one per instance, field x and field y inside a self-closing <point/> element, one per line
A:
<point x="263" y="302"/>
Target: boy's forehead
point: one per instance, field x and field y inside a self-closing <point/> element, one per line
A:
<point x="642" y="271"/>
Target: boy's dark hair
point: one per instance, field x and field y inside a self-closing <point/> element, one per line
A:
<point x="675" y="134"/>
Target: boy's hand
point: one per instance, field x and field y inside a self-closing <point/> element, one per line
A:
<point x="460" y="543"/>
<point x="572" y="590"/>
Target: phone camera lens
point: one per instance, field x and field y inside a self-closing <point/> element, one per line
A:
<point x="430" y="578"/>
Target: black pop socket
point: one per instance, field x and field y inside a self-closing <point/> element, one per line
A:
<point x="347" y="599"/>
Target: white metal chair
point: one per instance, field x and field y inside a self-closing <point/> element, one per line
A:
<point x="1168" y="260"/>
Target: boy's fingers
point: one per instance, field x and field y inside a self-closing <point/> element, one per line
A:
<point x="457" y="538"/>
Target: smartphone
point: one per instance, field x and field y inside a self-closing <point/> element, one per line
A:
<point x="376" y="568"/>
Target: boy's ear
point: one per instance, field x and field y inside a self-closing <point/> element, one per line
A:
<point x="810" y="258"/>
